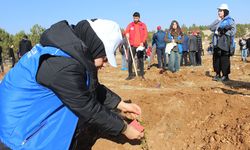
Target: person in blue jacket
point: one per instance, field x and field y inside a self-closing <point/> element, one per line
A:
<point x="185" y="50"/>
<point x="224" y="29"/>
<point x="158" y="39"/>
<point x="175" y="35"/>
<point x="53" y="91"/>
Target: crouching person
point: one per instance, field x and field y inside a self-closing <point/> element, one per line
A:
<point x="55" y="86"/>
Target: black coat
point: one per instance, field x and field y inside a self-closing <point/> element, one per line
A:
<point x="1" y="50"/>
<point x="248" y="43"/>
<point x="24" y="46"/>
<point x="66" y="77"/>
<point x="11" y="52"/>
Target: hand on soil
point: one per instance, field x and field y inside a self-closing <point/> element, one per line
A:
<point x="133" y="134"/>
<point x="129" y="110"/>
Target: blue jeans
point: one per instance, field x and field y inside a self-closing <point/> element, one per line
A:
<point x="174" y="61"/>
<point x="124" y="62"/>
<point x="192" y="57"/>
<point x="161" y="57"/>
<point x="244" y="54"/>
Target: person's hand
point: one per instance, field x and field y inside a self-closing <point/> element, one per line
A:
<point x="127" y="35"/>
<point x="132" y="134"/>
<point x="129" y="110"/>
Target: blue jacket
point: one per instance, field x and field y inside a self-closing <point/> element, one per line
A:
<point x="179" y="45"/>
<point x="185" y="43"/>
<point x="34" y="117"/>
<point x="228" y="26"/>
<point x="159" y="39"/>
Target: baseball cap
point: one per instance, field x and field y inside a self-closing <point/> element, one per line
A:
<point x="109" y="33"/>
<point x="223" y="7"/>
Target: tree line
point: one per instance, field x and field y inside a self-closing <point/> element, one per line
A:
<point x="35" y="32"/>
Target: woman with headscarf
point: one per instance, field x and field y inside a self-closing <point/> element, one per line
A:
<point x="224" y="29"/>
<point x="53" y="91"/>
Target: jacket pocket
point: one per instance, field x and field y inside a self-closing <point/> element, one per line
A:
<point x="34" y="132"/>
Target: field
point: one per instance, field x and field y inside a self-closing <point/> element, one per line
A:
<point x="185" y="110"/>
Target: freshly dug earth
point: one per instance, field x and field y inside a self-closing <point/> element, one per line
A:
<point x="185" y="110"/>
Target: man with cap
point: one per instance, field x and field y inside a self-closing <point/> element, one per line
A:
<point x="136" y="33"/>
<point x="53" y="91"/>
<point x="158" y="40"/>
<point x="224" y="29"/>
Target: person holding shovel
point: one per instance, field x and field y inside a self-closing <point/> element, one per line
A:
<point x="53" y="91"/>
<point x="136" y="33"/>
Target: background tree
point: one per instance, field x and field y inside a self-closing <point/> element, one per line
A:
<point x="241" y="30"/>
<point x="35" y="33"/>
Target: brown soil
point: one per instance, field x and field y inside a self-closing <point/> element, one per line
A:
<point x="186" y="110"/>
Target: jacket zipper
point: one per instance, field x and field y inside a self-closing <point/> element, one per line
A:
<point x="33" y="134"/>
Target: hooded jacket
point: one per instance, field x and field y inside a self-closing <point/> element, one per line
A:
<point x="224" y="32"/>
<point x="58" y="88"/>
<point x="159" y="39"/>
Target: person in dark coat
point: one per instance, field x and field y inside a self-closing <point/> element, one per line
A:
<point x="185" y="50"/>
<point x="12" y="55"/>
<point x="24" y="46"/>
<point x="224" y="29"/>
<point x="193" y="48"/>
<point x="200" y="49"/>
<point x="1" y="60"/>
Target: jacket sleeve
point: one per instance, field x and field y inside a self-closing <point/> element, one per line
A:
<point x="153" y="39"/>
<point x="127" y="29"/>
<point x="214" y="25"/>
<point x="106" y="97"/>
<point x="145" y="34"/>
<point x="231" y="28"/>
<point x="69" y="84"/>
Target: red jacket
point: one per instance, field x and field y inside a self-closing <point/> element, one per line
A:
<point x="138" y="33"/>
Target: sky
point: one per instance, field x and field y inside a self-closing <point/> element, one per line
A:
<point x="17" y="15"/>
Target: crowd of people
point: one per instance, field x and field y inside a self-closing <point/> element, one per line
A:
<point x="23" y="47"/>
<point x="175" y="48"/>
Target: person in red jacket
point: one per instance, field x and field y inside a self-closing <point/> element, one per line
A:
<point x="137" y="34"/>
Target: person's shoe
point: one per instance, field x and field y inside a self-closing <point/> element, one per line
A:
<point x="224" y="78"/>
<point x="142" y="77"/>
<point x="124" y="69"/>
<point x="217" y="77"/>
<point x="129" y="77"/>
<point x="161" y="71"/>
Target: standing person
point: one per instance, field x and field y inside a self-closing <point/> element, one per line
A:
<point x="174" y="36"/>
<point x="1" y="60"/>
<point x="124" y="52"/>
<point x="248" y="46"/>
<point x="152" y="56"/>
<point x="185" y="50"/>
<point x="12" y="55"/>
<point x="53" y="92"/>
<point x="200" y="49"/>
<point x="244" y="50"/>
<point x="24" y="46"/>
<point x="193" y="48"/>
<point x="159" y="40"/>
<point x="137" y="34"/>
<point x="224" y="30"/>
